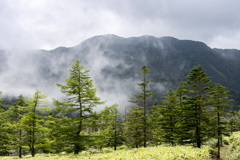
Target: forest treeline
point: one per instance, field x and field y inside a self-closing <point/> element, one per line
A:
<point x="198" y="110"/>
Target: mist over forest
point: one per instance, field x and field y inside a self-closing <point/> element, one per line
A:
<point x="115" y="63"/>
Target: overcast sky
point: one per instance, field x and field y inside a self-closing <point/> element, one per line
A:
<point x="47" y="24"/>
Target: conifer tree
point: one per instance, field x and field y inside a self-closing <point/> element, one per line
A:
<point x="135" y="127"/>
<point x="232" y="125"/>
<point x="155" y="124"/>
<point x="219" y="98"/>
<point x="16" y="114"/>
<point x="4" y="138"/>
<point x="183" y="127"/>
<point x="4" y="130"/>
<point x="35" y="136"/>
<point x="111" y="127"/>
<point x="117" y="138"/>
<point x="141" y="100"/>
<point x="168" y="117"/>
<point x="50" y="122"/>
<point x="81" y="98"/>
<point x="197" y="86"/>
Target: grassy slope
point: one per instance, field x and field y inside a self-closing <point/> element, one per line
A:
<point x="161" y="152"/>
<point x="232" y="151"/>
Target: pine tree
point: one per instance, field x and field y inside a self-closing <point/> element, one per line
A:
<point x="117" y="138"/>
<point x="232" y="125"/>
<point x="155" y="124"/>
<point x="135" y="127"/>
<point x="16" y="114"/>
<point x="35" y="136"/>
<point x="219" y="99"/>
<point x="168" y="117"/>
<point x="141" y="100"/>
<point x="4" y="130"/>
<point x="111" y="127"/>
<point x="197" y="87"/>
<point x="184" y="124"/>
<point x="50" y="122"/>
<point x="81" y="100"/>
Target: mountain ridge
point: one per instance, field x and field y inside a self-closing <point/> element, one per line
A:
<point x="115" y="63"/>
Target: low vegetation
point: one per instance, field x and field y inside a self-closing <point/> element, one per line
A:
<point x="197" y="114"/>
<point x="233" y="149"/>
<point x="161" y="152"/>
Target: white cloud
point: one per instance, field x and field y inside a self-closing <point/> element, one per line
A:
<point x="52" y="23"/>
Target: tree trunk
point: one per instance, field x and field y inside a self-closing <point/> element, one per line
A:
<point x="198" y="137"/>
<point x="20" y="148"/>
<point x="198" y="129"/>
<point x="32" y="152"/>
<point x="145" y="112"/>
<point x="219" y="135"/>
<point x="20" y="152"/>
<point x="115" y="140"/>
<point x="77" y="146"/>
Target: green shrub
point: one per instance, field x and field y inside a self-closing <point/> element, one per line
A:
<point x="160" y="152"/>
<point x="234" y="147"/>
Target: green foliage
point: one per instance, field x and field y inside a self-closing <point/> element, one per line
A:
<point x="141" y="100"/>
<point x="4" y="138"/>
<point x="155" y="123"/>
<point x="16" y="113"/>
<point x="168" y="118"/>
<point x="218" y="99"/>
<point x="234" y="147"/>
<point x="135" y="127"/>
<point x="232" y="125"/>
<point x="196" y="112"/>
<point x="154" y="153"/>
<point x="195" y="109"/>
<point x="183" y="127"/>
<point x="4" y="131"/>
<point x="33" y="123"/>
<point x="81" y="98"/>
<point x="110" y="128"/>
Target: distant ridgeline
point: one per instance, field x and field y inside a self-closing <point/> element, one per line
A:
<point x="115" y="63"/>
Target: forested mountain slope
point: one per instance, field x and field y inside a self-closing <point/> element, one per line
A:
<point x="115" y="63"/>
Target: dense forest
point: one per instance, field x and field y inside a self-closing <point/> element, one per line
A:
<point x="197" y="111"/>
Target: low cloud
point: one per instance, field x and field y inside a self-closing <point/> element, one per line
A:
<point x="28" y="24"/>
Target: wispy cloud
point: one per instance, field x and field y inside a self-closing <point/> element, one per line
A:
<point x="38" y="24"/>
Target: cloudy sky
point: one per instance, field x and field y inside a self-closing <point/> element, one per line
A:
<point x="47" y="24"/>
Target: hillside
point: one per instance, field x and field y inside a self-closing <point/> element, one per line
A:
<point x="115" y="63"/>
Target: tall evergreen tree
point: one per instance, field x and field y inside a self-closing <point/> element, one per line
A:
<point x="81" y="99"/>
<point x="32" y="123"/>
<point x="135" y="127"/>
<point x="155" y="123"/>
<point x="219" y="99"/>
<point x="184" y="127"/>
<point x="16" y="114"/>
<point x="232" y="125"/>
<point x="117" y="138"/>
<point x="4" y="138"/>
<point x="141" y="100"/>
<point x="197" y="86"/>
<point x="110" y="127"/>
<point x="168" y="117"/>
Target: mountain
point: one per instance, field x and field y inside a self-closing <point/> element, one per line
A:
<point x="115" y="63"/>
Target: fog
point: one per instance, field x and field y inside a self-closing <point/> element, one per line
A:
<point x="26" y="70"/>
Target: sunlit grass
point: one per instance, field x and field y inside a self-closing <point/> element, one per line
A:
<point x="234" y="147"/>
<point x="150" y="153"/>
